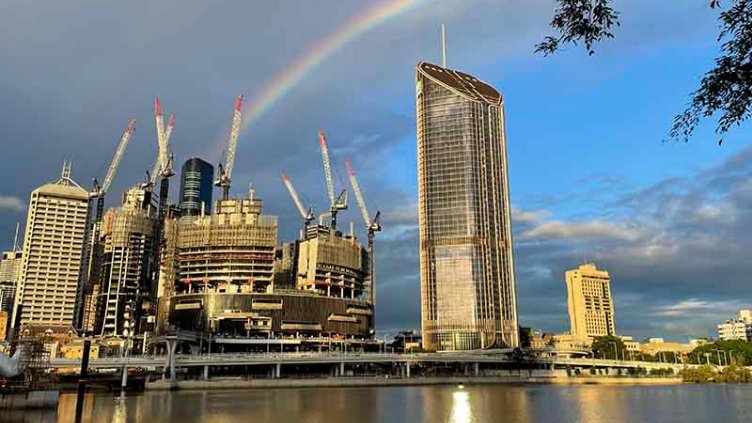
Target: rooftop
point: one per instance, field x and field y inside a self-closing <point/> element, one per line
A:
<point x="462" y="83"/>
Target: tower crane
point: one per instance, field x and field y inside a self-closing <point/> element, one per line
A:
<point x="164" y="141"/>
<point x="372" y="226"/>
<point x="307" y="215"/>
<point x="224" y="179"/>
<point x="99" y="191"/>
<point x="336" y="203"/>
<point x="92" y="255"/>
<point x="164" y="160"/>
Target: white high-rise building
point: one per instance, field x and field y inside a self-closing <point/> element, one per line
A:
<point x="739" y="328"/>
<point x="52" y="253"/>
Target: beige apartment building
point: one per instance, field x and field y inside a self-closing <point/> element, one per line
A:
<point x="53" y="246"/>
<point x="591" y="310"/>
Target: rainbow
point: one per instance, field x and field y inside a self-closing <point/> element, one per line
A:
<point x="277" y="88"/>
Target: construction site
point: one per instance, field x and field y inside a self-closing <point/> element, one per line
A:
<point x="220" y="271"/>
<point x="226" y="277"/>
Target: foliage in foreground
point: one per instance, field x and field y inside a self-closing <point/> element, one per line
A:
<point x="725" y="89"/>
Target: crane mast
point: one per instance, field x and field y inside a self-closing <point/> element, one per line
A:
<point x="324" y="146"/>
<point x="372" y="226"/>
<point x="164" y="141"/>
<point x="118" y="155"/>
<point x="224" y="179"/>
<point x="336" y="203"/>
<point x="306" y="215"/>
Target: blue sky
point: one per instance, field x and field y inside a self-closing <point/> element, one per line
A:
<point x="591" y="176"/>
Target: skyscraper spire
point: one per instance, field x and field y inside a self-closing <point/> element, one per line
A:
<point x="443" y="46"/>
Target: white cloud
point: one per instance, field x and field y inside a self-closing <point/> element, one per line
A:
<point x="595" y="229"/>
<point x="694" y="307"/>
<point x="528" y="216"/>
<point x="11" y="203"/>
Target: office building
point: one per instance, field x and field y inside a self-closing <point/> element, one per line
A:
<point x="127" y="268"/>
<point x="591" y="310"/>
<point x="53" y="247"/>
<point x="468" y="298"/>
<point x="10" y="272"/>
<point x="196" y="185"/>
<point x="739" y="328"/>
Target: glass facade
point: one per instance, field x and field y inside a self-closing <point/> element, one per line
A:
<point x="196" y="185"/>
<point x="468" y="298"/>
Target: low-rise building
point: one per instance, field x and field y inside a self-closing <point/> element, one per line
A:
<point x="406" y="341"/>
<point x="658" y="345"/>
<point x="630" y="344"/>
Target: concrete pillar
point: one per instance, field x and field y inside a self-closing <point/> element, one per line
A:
<point x="172" y="347"/>
<point x="278" y="371"/>
<point x="342" y="368"/>
<point x="477" y="369"/>
<point x="206" y="372"/>
<point x="169" y="366"/>
<point x="407" y="369"/>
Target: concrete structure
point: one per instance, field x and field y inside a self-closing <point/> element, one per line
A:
<point x="220" y="274"/>
<point x="53" y="247"/>
<point x="591" y="310"/>
<point x="739" y="328"/>
<point x="330" y="263"/>
<point x="231" y="251"/>
<point x="127" y="268"/>
<point x="285" y="257"/>
<point x="239" y="320"/>
<point x="468" y="298"/>
<point x="196" y="185"/>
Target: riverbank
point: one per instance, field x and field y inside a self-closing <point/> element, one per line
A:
<point x="346" y="382"/>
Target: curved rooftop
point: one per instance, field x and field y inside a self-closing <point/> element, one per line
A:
<point x="462" y="83"/>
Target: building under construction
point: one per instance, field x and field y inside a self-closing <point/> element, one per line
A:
<point x="330" y="263"/>
<point x="224" y="272"/>
<point x="128" y="244"/>
<point x="231" y="251"/>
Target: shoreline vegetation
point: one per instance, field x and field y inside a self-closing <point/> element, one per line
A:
<point x="710" y="374"/>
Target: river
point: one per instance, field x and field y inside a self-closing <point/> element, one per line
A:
<point x="430" y="404"/>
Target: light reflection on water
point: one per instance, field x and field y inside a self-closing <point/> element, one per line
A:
<point x="428" y="404"/>
<point x="461" y="410"/>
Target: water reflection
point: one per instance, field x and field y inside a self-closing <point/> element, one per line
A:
<point x="461" y="411"/>
<point x="474" y="404"/>
<point x="430" y="404"/>
<point x="120" y="413"/>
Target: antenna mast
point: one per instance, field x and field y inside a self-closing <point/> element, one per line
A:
<point x="443" y="46"/>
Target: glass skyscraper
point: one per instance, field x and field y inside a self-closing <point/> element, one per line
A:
<point x="468" y="298"/>
<point x="196" y="185"/>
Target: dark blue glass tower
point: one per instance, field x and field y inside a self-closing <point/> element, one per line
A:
<point x="196" y="185"/>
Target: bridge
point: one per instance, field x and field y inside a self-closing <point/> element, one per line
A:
<point x="339" y="362"/>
